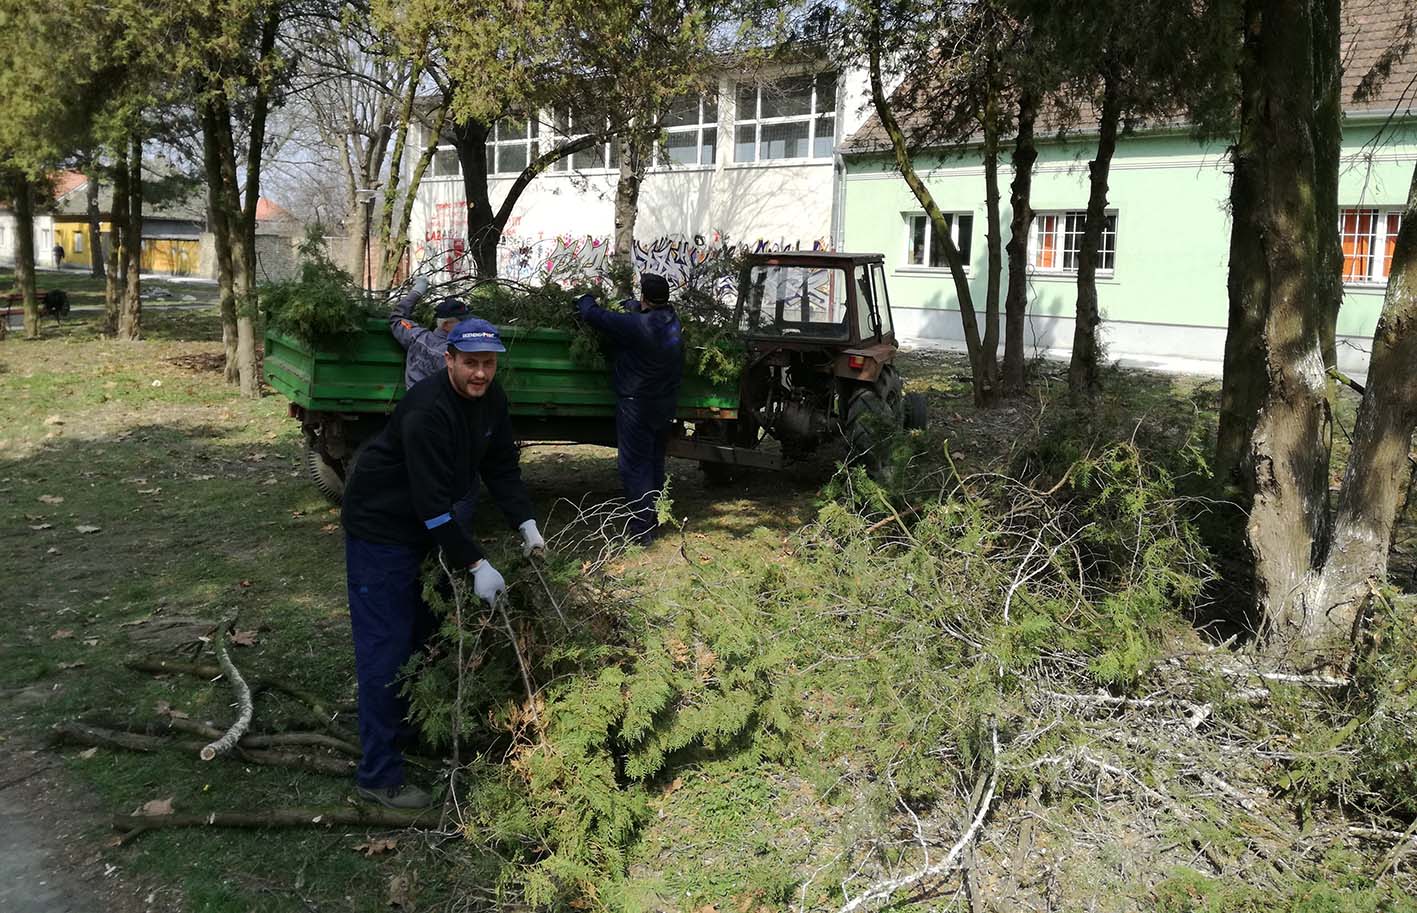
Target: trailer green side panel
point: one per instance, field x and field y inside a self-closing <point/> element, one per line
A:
<point x="364" y="373"/>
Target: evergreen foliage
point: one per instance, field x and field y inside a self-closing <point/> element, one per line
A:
<point x="888" y="649"/>
<point x="321" y="304"/>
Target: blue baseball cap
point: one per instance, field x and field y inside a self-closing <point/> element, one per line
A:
<point x="475" y="335"/>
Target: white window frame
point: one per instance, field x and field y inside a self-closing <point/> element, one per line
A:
<point x="436" y="172"/>
<point x="697" y="129"/>
<point x="821" y="109"/>
<point x="1375" y="276"/>
<point x="1061" y="235"/>
<point x="565" y="127"/>
<point x="908" y="219"/>
<point x="495" y="144"/>
<point x="78" y="242"/>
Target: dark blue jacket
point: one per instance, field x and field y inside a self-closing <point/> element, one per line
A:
<point x="407" y="481"/>
<point x="647" y="348"/>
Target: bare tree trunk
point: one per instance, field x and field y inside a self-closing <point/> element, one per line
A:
<point x="388" y="263"/>
<point x="1287" y="458"/>
<point x="1020" y="197"/>
<point x="1243" y="380"/>
<point x="995" y="265"/>
<point x="1328" y="91"/>
<point x="117" y="278"/>
<point x="395" y="248"/>
<point x="973" y="344"/>
<point x="1379" y="468"/>
<point x="228" y="217"/>
<point x="484" y="226"/>
<point x="130" y="317"/>
<point x="91" y="188"/>
<point x="24" y="251"/>
<point x="1084" y="368"/>
<point x="220" y="227"/>
<point x="470" y="139"/>
<point x="635" y="150"/>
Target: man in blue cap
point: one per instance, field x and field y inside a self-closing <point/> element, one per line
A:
<point x="425" y="347"/>
<point x="447" y="431"/>
<point x="648" y="367"/>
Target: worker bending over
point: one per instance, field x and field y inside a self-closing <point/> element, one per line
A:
<point x="648" y="367"/>
<point x="425" y="347"/>
<point x="448" y="430"/>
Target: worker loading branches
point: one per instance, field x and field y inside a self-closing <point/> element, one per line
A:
<point x="449" y="430"/>
<point x="647" y="368"/>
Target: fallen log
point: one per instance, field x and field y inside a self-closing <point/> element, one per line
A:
<point x="373" y="816"/>
<point x="245" y="709"/>
<point x="75" y="733"/>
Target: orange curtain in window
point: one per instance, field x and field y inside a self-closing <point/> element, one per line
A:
<point x="1356" y="230"/>
<point x="1394" y="224"/>
<point x="1047" y="242"/>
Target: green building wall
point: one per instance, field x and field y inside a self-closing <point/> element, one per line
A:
<point x="1167" y="295"/>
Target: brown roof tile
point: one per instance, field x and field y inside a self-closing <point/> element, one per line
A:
<point x="1379" y="53"/>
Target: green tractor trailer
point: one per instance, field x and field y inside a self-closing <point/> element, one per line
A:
<point x="819" y="366"/>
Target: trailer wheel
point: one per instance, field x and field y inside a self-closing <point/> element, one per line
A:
<point x="327" y="474"/>
<point x="915" y="411"/>
<point x="868" y="423"/>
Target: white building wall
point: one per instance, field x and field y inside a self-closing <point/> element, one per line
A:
<point x="759" y="205"/>
<point x="43" y="239"/>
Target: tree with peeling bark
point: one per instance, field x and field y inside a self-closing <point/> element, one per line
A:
<point x="972" y="75"/>
<point x="1316" y="565"/>
<point x="925" y="43"/>
<point x="1127" y="64"/>
<point x="490" y="64"/>
<point x="235" y="71"/>
<point x="351" y="86"/>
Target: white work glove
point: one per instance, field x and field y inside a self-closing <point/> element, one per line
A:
<point x="486" y="582"/>
<point x="532" y="541"/>
<point x="420" y="286"/>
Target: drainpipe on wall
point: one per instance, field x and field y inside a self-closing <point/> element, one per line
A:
<point x="838" y="229"/>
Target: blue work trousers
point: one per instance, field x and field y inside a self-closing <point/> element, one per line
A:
<point x="641" y="433"/>
<point x="390" y="622"/>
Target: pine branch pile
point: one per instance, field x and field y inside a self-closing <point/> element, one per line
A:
<point x="801" y="731"/>
<point x="319" y="306"/>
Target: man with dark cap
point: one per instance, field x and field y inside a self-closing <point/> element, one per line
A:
<point x="648" y="367"/>
<point x="425" y="347"/>
<point x="447" y="431"/>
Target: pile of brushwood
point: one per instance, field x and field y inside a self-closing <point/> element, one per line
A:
<point x="712" y="347"/>
<point x="320" y="304"/>
<point x="969" y="686"/>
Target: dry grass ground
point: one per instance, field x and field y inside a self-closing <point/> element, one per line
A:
<point x="136" y="488"/>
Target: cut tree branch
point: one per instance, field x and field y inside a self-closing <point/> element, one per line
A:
<point x="244" y="707"/>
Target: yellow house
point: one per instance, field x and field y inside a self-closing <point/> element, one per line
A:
<point x="171" y="232"/>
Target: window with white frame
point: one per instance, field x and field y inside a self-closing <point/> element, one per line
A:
<point x="446" y="163"/>
<point x="926" y="249"/>
<point x="512" y="145"/>
<point x="1369" y="237"/>
<point x="691" y="130"/>
<point x="599" y="156"/>
<point x="78" y="242"/>
<point x="792" y="118"/>
<point x="1055" y="242"/>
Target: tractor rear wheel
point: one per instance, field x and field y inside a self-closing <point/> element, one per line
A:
<point x="327" y="474"/>
<point x="915" y="412"/>
<point x="869" y="421"/>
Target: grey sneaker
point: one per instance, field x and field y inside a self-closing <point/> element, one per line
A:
<point x="406" y="796"/>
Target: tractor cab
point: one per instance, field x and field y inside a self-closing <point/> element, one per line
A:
<point x="815" y="299"/>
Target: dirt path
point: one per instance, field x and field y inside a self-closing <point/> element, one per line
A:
<point x="51" y="842"/>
